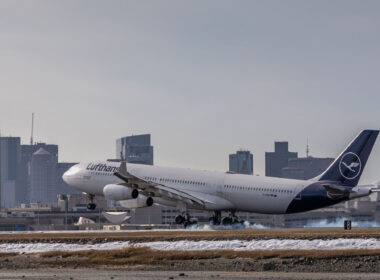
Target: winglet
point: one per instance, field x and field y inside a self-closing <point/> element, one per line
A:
<point x="123" y="168"/>
<point x="122" y="173"/>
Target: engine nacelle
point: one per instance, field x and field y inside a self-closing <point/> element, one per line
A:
<point x="119" y="192"/>
<point x="140" y="202"/>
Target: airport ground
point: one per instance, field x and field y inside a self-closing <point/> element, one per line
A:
<point x="83" y="237"/>
<point x="120" y="274"/>
<point x="145" y="263"/>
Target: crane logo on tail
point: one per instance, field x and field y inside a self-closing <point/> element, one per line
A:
<point x="350" y="166"/>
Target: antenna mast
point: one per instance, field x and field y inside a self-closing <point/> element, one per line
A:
<point x="307" y="147"/>
<point x="31" y="135"/>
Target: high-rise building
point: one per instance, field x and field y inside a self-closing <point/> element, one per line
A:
<point x="10" y="162"/>
<point x="135" y="149"/>
<point x="61" y="186"/>
<point x="305" y="168"/>
<point x="241" y="162"/>
<point x="275" y="161"/>
<point x="27" y="152"/>
<point x="43" y="176"/>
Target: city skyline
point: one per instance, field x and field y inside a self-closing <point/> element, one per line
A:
<point x="203" y="78"/>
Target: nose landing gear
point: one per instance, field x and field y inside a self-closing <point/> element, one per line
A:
<point x="91" y="205"/>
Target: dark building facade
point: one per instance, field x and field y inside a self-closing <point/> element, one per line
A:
<point x="61" y="186"/>
<point x="275" y="161"/>
<point x="241" y="162"/>
<point x="305" y="168"/>
<point x="10" y="164"/>
<point x="43" y="176"/>
<point x="135" y="149"/>
<point x="27" y="152"/>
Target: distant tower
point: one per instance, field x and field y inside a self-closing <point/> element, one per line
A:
<point x="307" y="147"/>
<point x="42" y="176"/>
<point x="31" y="134"/>
<point x="275" y="161"/>
<point x="241" y="162"/>
<point x="10" y="161"/>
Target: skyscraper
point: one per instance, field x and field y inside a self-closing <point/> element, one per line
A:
<point x="42" y="176"/>
<point x="241" y="162"/>
<point x="27" y="152"/>
<point x="275" y="161"/>
<point x="135" y="149"/>
<point x="10" y="162"/>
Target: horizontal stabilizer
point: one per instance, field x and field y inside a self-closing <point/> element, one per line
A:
<point x="336" y="191"/>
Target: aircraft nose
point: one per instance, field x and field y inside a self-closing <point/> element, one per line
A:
<point x="69" y="176"/>
<point x="66" y="177"/>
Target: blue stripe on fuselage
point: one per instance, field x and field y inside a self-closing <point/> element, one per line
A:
<point x="312" y="197"/>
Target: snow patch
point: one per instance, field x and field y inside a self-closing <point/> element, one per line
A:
<point x="238" y="245"/>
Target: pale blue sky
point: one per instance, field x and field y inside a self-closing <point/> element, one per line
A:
<point x="205" y="78"/>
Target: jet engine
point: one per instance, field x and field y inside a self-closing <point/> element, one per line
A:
<point x="119" y="192"/>
<point x="140" y="202"/>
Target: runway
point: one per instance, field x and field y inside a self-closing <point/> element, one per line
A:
<point x="85" y="237"/>
<point x="119" y="274"/>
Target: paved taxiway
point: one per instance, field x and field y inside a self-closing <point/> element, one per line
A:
<point x="84" y="237"/>
<point x="90" y="274"/>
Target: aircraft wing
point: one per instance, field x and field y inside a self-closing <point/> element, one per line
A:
<point x="147" y="187"/>
<point x="335" y="191"/>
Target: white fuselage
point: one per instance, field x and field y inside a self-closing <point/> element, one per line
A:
<point x="218" y="191"/>
<point x="221" y="191"/>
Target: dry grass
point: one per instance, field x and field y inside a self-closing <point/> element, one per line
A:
<point x="147" y="256"/>
<point x="145" y="236"/>
<point x="5" y="255"/>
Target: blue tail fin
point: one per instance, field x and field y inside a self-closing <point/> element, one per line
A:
<point x="349" y="165"/>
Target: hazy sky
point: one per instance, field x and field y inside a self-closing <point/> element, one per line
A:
<point x="205" y="78"/>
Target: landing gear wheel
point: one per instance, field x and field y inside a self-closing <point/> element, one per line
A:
<point x="91" y="206"/>
<point x="185" y="220"/>
<point x="227" y="221"/>
<point x="179" y="219"/>
<point x="216" y="219"/>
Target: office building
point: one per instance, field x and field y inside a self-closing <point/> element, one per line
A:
<point x="241" y="162"/>
<point x="135" y="149"/>
<point x="10" y="162"/>
<point x="275" y="161"/>
<point x="27" y="152"/>
<point x="305" y="168"/>
<point x="43" y="176"/>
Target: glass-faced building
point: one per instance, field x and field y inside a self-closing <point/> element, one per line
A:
<point x="241" y="162"/>
<point x="10" y="162"/>
<point x="135" y="149"/>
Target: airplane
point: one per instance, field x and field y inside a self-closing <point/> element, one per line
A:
<point x="138" y="185"/>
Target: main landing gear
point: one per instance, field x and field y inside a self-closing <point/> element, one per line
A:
<point x="185" y="220"/>
<point x="231" y="219"/>
<point x="216" y="219"/>
<point x="91" y="205"/>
